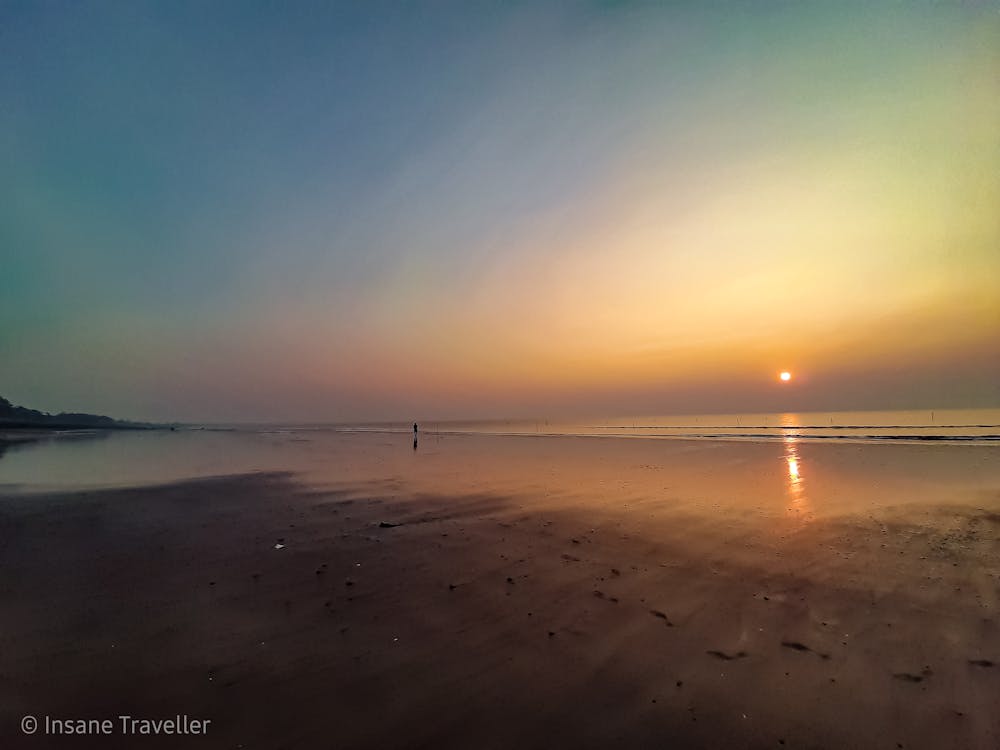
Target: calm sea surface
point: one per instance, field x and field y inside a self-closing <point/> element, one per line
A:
<point x="941" y="425"/>
<point x="829" y="457"/>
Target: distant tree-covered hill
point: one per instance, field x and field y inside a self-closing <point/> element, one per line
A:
<point x="20" y="416"/>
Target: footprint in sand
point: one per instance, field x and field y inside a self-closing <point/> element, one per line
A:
<point x="803" y="647"/>
<point x="907" y="677"/>
<point x="662" y="616"/>
<point x="727" y="657"/>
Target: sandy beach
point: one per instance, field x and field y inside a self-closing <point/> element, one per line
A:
<point x="637" y="594"/>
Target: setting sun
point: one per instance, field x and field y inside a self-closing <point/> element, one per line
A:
<point x="785" y="376"/>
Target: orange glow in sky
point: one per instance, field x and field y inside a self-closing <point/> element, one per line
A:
<point x="643" y="211"/>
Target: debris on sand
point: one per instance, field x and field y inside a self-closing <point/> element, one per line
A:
<point x="388" y="525"/>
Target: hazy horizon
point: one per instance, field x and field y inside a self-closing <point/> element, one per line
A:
<point x="360" y="212"/>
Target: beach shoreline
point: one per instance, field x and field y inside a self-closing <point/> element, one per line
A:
<point x="382" y="614"/>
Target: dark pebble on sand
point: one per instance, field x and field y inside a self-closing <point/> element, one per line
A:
<point x="387" y="525"/>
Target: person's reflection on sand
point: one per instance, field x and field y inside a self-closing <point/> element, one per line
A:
<point x="414" y="443"/>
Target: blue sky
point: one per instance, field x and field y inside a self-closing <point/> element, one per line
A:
<point x="362" y="210"/>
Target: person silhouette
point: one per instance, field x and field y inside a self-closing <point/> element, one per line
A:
<point x="415" y="429"/>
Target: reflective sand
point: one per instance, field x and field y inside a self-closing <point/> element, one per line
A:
<point x="492" y="591"/>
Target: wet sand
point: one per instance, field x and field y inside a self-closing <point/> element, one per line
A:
<point x="564" y="593"/>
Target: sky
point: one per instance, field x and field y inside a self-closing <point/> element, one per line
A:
<point x="241" y="211"/>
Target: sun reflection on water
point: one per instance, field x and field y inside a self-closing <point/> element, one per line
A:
<point x="793" y="468"/>
<point x="793" y="463"/>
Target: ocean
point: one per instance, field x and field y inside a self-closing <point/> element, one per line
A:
<point x="976" y="425"/>
<point x="522" y="450"/>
